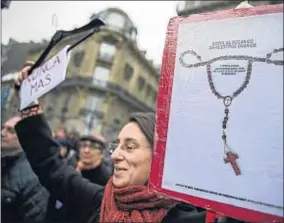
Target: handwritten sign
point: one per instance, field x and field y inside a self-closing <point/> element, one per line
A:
<point x="220" y="113"/>
<point x="44" y="78"/>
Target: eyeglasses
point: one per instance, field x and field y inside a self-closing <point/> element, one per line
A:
<point x="9" y="129"/>
<point x="128" y="146"/>
<point x="92" y="145"/>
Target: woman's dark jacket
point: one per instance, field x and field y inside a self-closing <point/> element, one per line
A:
<point x="58" y="211"/>
<point x="83" y="198"/>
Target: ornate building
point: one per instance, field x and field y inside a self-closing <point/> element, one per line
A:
<point x="108" y="77"/>
<point x="185" y="8"/>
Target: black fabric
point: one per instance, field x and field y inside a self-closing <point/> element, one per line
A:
<point x="81" y="197"/>
<point x="68" y="144"/>
<point x="99" y="175"/>
<point x="58" y="211"/>
<point x="23" y="198"/>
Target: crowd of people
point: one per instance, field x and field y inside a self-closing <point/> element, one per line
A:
<point x="23" y="197"/>
<point x="58" y="177"/>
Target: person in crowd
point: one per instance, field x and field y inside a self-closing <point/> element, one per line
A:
<point x="60" y="132"/>
<point x="23" y="198"/>
<point x="91" y="159"/>
<point x="126" y="197"/>
<point x="74" y="137"/>
<point x="67" y="151"/>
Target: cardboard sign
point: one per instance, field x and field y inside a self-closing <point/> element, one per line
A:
<point x="44" y="78"/>
<point x="219" y="127"/>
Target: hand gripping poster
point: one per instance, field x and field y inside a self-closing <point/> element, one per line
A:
<point x="219" y="131"/>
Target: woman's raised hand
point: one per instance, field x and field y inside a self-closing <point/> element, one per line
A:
<point x="23" y="74"/>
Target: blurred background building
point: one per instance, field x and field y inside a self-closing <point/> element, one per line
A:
<point x="185" y="8"/>
<point x="108" y="77"/>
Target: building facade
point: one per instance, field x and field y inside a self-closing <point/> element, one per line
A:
<point x="107" y="78"/>
<point x="185" y="8"/>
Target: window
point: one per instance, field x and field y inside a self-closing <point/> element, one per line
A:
<point x="91" y="118"/>
<point x="101" y="76"/>
<point x="93" y="102"/>
<point x="148" y="91"/>
<point x="78" y="58"/>
<point x="115" y="20"/>
<point x="107" y="52"/>
<point x="128" y="72"/>
<point x="133" y="34"/>
<point x="141" y="83"/>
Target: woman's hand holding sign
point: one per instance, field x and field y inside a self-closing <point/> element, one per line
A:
<point x="23" y="74"/>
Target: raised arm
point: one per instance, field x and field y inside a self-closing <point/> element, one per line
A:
<point x="61" y="180"/>
<point x="42" y="152"/>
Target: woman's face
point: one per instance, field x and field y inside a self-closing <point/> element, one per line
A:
<point x="131" y="157"/>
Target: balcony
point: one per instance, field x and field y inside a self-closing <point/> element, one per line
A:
<point x="104" y="87"/>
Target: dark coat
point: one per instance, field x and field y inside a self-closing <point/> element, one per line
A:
<point x="99" y="175"/>
<point x="82" y="197"/>
<point x="23" y="198"/>
<point x="58" y="211"/>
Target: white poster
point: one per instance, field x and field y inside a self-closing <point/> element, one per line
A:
<point x="227" y="104"/>
<point x="44" y="78"/>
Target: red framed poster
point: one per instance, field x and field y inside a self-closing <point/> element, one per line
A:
<point x="219" y="124"/>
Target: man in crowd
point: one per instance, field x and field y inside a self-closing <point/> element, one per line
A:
<point x="91" y="159"/>
<point x="60" y="132"/>
<point x="23" y="198"/>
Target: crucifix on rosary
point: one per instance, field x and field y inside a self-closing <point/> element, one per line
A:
<point x="230" y="156"/>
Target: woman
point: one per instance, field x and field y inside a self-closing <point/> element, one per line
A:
<point x="125" y="197"/>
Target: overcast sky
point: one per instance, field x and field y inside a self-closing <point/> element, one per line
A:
<point x="32" y="20"/>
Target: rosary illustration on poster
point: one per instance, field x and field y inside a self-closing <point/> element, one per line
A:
<point x="232" y="69"/>
<point x="224" y="81"/>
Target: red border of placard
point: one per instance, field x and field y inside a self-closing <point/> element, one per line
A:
<point x="163" y="110"/>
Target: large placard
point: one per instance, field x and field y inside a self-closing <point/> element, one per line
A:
<point x="219" y="131"/>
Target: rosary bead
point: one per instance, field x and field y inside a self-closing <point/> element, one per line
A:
<point x="224" y="137"/>
<point x="226" y="111"/>
<point x="224" y="126"/>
